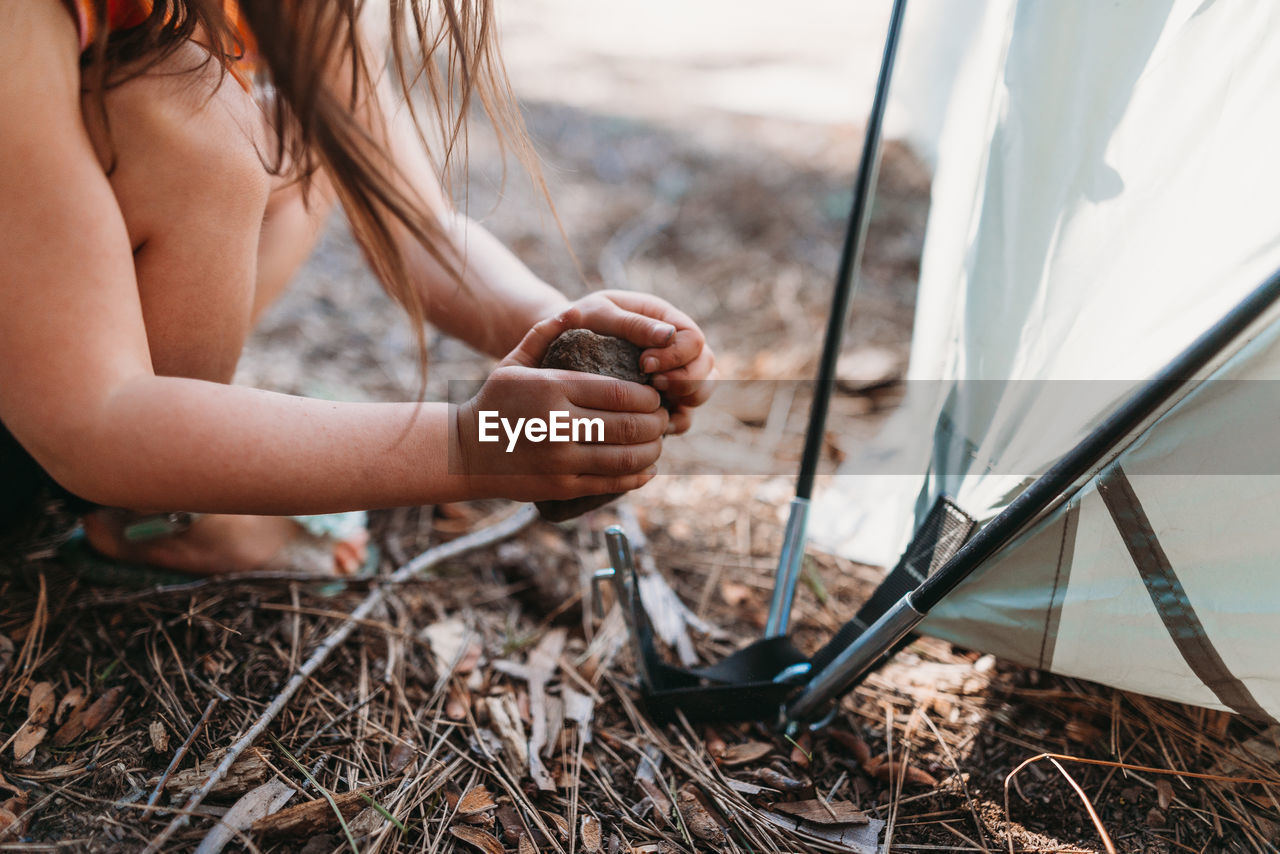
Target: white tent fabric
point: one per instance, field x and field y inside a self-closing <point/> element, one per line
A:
<point x="1106" y="189"/>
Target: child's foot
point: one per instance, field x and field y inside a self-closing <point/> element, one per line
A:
<point x="218" y="545"/>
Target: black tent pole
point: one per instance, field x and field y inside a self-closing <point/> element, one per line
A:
<point x="861" y="656"/>
<point x="792" y="555"/>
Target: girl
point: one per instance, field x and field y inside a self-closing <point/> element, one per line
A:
<point x="165" y="167"/>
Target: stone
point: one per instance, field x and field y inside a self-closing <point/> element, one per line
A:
<point x="585" y="351"/>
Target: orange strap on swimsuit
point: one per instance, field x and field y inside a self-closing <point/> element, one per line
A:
<point x="124" y="14"/>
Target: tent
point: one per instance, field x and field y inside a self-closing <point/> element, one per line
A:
<point x="1106" y="194"/>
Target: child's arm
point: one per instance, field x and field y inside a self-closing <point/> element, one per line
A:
<point x="502" y="299"/>
<point x="78" y="389"/>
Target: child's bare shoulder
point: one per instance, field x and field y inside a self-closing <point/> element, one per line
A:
<point x="39" y="50"/>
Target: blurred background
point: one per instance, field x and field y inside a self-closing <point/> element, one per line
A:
<point x="703" y="152"/>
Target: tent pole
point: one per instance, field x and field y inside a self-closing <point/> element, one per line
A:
<point x="861" y="656"/>
<point x="792" y="556"/>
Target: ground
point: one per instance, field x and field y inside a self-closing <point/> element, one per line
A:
<point x="426" y="710"/>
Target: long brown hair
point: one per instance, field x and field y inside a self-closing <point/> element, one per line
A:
<point x="326" y="109"/>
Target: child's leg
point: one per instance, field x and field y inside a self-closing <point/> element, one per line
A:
<point x="189" y="179"/>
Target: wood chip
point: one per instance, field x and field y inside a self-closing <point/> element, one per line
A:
<point x="40" y="703"/>
<point x="317" y="816"/>
<point x="525" y="845"/>
<point x="743" y="754"/>
<point x="265" y="800"/>
<point x="697" y="817"/>
<point x="830" y="812"/>
<point x="249" y="771"/>
<point x="858" y="838"/>
<point x="485" y="841"/>
<point x="592" y="842"/>
<point x="744" y="788"/>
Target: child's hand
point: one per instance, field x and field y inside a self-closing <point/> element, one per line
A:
<point x="677" y="353"/>
<point x="632" y="415"/>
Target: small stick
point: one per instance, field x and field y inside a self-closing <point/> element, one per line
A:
<point x="431" y="557"/>
<point x="177" y="757"/>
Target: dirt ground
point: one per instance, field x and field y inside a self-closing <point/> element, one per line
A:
<point x="416" y="728"/>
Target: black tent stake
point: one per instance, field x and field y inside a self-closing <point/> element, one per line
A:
<point x="792" y="556"/>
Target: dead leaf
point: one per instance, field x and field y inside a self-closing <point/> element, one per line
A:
<point x="734" y="594"/>
<point x="830" y="812"/>
<point x="401" y="755"/>
<point x="40" y="703"/>
<point x="697" y="817"/>
<point x="890" y="771"/>
<point x="26" y="741"/>
<point x="776" y="780"/>
<point x="455" y="707"/>
<point x="8" y="819"/>
<point x="742" y="754"/>
<point x="856" y="746"/>
<point x="448" y="640"/>
<point x="658" y="796"/>
<point x="82" y="721"/>
<point x="801" y="751"/>
<point x="715" y="744"/>
<point x="102" y="708"/>
<point x="486" y="842"/>
<point x="561" y="824"/>
<point x="312" y="817"/>
<point x="591" y="837"/>
<point x="6" y="654"/>
<point x="505" y="719"/>
<point x="512" y="825"/>
<point x="1164" y="793"/>
<point x="473" y="806"/>
<point x="71" y="701"/>
<point x="159" y="737"/>
<point x="1082" y="733"/>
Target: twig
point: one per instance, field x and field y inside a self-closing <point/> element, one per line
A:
<point x="428" y="559"/>
<point x="177" y="757"/>
<point x="1093" y="814"/>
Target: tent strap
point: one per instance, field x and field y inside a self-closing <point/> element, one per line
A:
<point x="944" y="530"/>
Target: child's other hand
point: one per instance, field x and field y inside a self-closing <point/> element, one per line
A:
<point x="632" y="414"/>
<point x="677" y="354"/>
